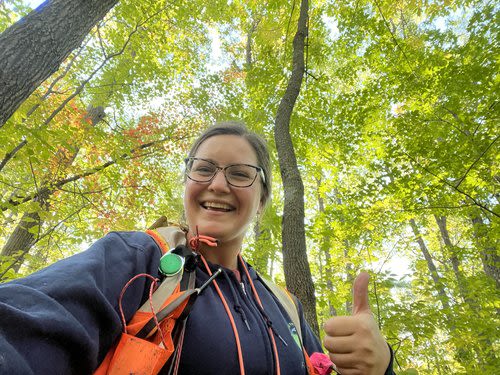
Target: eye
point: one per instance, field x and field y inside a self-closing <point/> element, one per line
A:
<point x="241" y="173"/>
<point x="203" y="168"/>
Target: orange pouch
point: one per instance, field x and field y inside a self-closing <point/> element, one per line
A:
<point x="137" y="356"/>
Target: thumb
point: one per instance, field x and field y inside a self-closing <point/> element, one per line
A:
<point x="360" y="294"/>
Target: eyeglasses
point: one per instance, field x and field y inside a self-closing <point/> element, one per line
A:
<point x="238" y="175"/>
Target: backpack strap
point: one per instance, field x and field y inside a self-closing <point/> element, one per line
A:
<point x="140" y="348"/>
<point x="289" y="303"/>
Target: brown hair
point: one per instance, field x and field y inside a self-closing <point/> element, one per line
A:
<point x="258" y="144"/>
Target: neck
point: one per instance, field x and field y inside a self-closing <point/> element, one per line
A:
<point x="225" y="255"/>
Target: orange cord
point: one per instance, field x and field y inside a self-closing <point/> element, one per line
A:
<point x="269" y="330"/>
<point x="231" y="319"/>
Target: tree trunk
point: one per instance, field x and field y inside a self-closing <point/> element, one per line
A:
<point x="20" y="242"/>
<point x="261" y="262"/>
<point x="430" y="264"/>
<point x="296" y="266"/>
<point x="488" y="250"/>
<point x="248" y="48"/>
<point x="23" y="238"/>
<point x="350" y="276"/>
<point x="33" y="48"/>
<point x="325" y="249"/>
<point x="455" y="262"/>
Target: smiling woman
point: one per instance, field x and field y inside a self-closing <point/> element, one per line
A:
<point x="240" y="323"/>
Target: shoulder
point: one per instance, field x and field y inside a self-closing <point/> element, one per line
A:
<point x="132" y="239"/>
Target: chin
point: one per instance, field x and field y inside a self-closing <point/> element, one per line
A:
<point x="209" y="229"/>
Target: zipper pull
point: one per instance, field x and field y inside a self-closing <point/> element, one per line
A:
<point x="243" y="288"/>
<point x="273" y="330"/>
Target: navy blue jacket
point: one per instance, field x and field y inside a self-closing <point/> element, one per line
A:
<point x="64" y="319"/>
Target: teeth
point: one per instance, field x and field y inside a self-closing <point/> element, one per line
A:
<point x="217" y="205"/>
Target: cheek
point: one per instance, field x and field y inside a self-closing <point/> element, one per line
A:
<point x="253" y="200"/>
<point x="189" y="195"/>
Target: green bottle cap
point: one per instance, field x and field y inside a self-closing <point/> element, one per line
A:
<point x="171" y="264"/>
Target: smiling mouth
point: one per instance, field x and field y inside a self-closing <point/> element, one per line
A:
<point x="216" y="206"/>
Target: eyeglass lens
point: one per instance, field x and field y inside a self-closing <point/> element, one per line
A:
<point x="238" y="174"/>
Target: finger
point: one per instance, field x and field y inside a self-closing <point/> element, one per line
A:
<point x="343" y="344"/>
<point x="360" y="294"/>
<point x="344" y="361"/>
<point x="340" y="326"/>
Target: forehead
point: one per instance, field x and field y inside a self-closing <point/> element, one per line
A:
<point x="227" y="149"/>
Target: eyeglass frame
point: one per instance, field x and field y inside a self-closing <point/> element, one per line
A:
<point x="260" y="172"/>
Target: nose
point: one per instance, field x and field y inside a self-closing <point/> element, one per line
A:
<point x="219" y="183"/>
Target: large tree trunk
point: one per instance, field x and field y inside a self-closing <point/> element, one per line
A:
<point x="443" y="297"/>
<point x="296" y="266"/>
<point x="33" y="48"/>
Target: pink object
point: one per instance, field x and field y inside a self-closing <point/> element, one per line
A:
<point x="322" y="363"/>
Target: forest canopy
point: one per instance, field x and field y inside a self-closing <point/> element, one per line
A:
<point x="393" y="131"/>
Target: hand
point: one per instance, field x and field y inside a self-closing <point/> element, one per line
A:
<point x="355" y="343"/>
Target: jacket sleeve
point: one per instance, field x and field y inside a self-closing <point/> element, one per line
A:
<point x="312" y="344"/>
<point x="64" y="318"/>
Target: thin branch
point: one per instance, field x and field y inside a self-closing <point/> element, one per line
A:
<point x="436" y="208"/>
<point x="50" y="188"/>
<point x="475" y="161"/>
<point x="288" y="28"/>
<point x="455" y="116"/>
<point x="33" y="175"/>
<point x="57" y="79"/>
<point x="311" y="75"/>
<point x="100" y="41"/>
<point x="394" y="38"/>
<point x="39" y="238"/>
<point x="439" y="119"/>
<point x="9" y="155"/>
<point x="80" y="88"/>
<point x="480" y="205"/>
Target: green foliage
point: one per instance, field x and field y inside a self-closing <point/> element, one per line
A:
<point x="397" y="121"/>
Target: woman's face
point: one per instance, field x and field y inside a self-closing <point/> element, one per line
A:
<point x="218" y="209"/>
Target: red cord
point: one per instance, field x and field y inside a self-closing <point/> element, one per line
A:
<point x="152" y="287"/>
<point x="194" y="242"/>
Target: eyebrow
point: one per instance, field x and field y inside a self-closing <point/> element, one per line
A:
<point x="218" y="164"/>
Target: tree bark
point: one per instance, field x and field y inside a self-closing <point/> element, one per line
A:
<point x="488" y="249"/>
<point x="33" y="48"/>
<point x="20" y="241"/>
<point x="455" y="262"/>
<point x="296" y="266"/>
<point x="325" y="249"/>
<point x="248" y="48"/>
<point x="262" y="261"/>
<point x="443" y="297"/>
<point x="23" y="238"/>
<point x="349" y="276"/>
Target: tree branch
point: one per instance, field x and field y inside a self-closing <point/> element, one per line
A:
<point x="80" y="88"/>
<point x="475" y="161"/>
<point x="480" y="205"/>
<point x="50" y="188"/>
<point x="38" y="239"/>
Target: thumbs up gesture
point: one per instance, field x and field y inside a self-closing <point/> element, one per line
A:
<point x="355" y="343"/>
